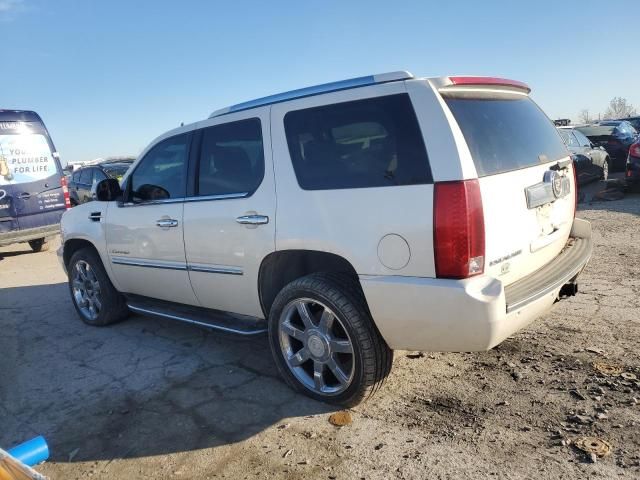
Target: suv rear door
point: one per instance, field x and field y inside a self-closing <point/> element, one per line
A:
<point x="30" y="176"/>
<point x="519" y="158"/>
<point x="229" y="218"/>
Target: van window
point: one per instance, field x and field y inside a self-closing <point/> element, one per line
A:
<point x="231" y="158"/>
<point x="25" y="157"/>
<point x="375" y="142"/>
<point x="506" y="132"/>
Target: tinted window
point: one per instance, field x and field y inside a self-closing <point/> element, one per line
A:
<point x="582" y="140"/>
<point x="231" y="158"/>
<point x="85" y="176"/>
<point x="161" y="173"/>
<point x="506" y="133"/>
<point x="76" y="177"/>
<point x="98" y="176"/>
<point x="367" y="143"/>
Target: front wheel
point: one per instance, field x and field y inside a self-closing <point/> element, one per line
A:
<point x="96" y="300"/>
<point x="324" y="341"/>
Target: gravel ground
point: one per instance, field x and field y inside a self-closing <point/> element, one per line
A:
<point x="154" y="399"/>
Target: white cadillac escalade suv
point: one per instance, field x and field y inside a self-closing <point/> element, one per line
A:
<point x="346" y="220"/>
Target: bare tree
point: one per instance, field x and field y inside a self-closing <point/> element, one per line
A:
<point x="584" y="116"/>
<point x="619" y="108"/>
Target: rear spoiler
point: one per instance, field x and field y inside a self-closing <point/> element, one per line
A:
<point x="449" y="83"/>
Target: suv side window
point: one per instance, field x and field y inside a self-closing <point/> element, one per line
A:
<point x="231" y="158"/>
<point x="85" y="176"/>
<point x="374" y="142"/>
<point x="161" y="174"/>
<point x="76" y="177"/>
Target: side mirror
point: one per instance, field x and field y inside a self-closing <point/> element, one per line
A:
<point x="106" y="190"/>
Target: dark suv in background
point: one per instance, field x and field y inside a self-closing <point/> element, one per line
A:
<point x="82" y="180"/>
<point x="33" y="190"/>
<point x="616" y="136"/>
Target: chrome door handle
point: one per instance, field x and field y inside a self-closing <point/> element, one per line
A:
<point x="253" y="220"/>
<point x="167" y="222"/>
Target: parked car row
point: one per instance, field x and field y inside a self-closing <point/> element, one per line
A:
<point x="603" y="147"/>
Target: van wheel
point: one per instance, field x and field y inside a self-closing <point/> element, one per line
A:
<point x="324" y="341"/>
<point x="39" y="245"/>
<point x="96" y="300"/>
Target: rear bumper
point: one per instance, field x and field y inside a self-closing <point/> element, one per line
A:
<point x="18" y="236"/>
<point x="470" y="315"/>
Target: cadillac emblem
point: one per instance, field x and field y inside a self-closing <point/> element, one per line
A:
<point x="557" y="182"/>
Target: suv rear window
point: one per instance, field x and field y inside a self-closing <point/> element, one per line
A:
<point x="506" y="133"/>
<point x="366" y="143"/>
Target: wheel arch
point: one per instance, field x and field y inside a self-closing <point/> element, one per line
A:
<point x="72" y="245"/>
<point x="282" y="267"/>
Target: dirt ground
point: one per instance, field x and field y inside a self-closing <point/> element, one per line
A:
<point x="154" y="399"/>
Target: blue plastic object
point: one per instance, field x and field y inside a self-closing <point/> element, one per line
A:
<point x="32" y="452"/>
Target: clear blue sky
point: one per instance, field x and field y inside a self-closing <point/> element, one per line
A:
<point x="109" y="76"/>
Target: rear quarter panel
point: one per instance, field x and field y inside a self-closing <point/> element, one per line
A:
<point x="350" y="222"/>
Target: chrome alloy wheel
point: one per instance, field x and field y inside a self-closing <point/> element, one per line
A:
<point x="316" y="346"/>
<point x="86" y="290"/>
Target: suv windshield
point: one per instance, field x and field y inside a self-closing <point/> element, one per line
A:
<point x="506" y="132"/>
<point x="25" y="154"/>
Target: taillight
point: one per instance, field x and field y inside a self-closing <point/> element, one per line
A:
<point x="65" y="192"/>
<point x="458" y="229"/>
<point x="634" y="150"/>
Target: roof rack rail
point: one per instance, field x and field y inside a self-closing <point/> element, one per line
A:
<point x="316" y="90"/>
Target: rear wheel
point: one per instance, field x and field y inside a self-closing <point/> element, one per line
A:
<point x="324" y="341"/>
<point x="96" y="300"/>
<point x="39" y="245"/>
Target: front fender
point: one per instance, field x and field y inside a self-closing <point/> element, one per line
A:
<point x="87" y="222"/>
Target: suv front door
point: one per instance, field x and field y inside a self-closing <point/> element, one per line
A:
<point x="144" y="232"/>
<point x="229" y="219"/>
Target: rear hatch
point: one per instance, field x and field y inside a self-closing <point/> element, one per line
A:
<point x="525" y="175"/>
<point x="31" y="193"/>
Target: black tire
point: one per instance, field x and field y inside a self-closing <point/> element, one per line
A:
<point x="372" y="358"/>
<point x="113" y="306"/>
<point x="73" y="203"/>
<point x="39" y="245"/>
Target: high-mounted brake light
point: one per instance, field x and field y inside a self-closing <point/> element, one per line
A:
<point x="458" y="221"/>
<point x="480" y="81"/>
<point x="65" y="192"/>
